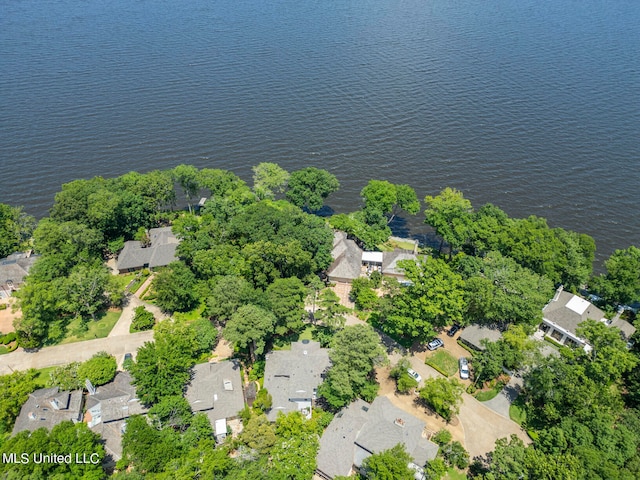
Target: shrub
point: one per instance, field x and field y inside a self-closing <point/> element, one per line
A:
<point x="442" y="437"/>
<point x="143" y="319"/>
<point x="99" y="369"/>
<point x="9" y="337"/>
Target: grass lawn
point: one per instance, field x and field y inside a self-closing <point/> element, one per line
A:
<point x="99" y="328"/>
<point x="453" y="474"/>
<point x="191" y="315"/>
<point x="517" y="413"/>
<point x="443" y="362"/>
<point x="484" y="396"/>
<point x="43" y="376"/>
<point x="284" y="343"/>
<point x="123" y="280"/>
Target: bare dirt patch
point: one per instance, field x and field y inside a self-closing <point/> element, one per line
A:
<point x="7" y="316"/>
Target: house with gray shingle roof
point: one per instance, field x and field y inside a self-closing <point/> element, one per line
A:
<point x="350" y="261"/>
<point x="364" y="429"/>
<point x="347" y="259"/>
<point x="216" y="390"/>
<point x="160" y="252"/>
<point x="108" y="409"/>
<point x="13" y="270"/>
<point x="48" y="407"/>
<point x="292" y="377"/>
<point x="473" y="335"/>
<point x="566" y="311"/>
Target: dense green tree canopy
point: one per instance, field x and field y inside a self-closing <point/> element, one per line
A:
<point x="285" y="298"/>
<point x="65" y="438"/>
<point x="309" y="187"/>
<point x="385" y="198"/>
<point x="162" y="367"/>
<point x="174" y="287"/>
<point x="391" y="464"/>
<point x="621" y="283"/>
<point x="99" y="369"/>
<point x="15" y="388"/>
<point x="249" y="328"/>
<point x="443" y="395"/>
<point x="355" y="352"/>
<point x="449" y="213"/>
<point x="269" y="179"/>
<point x="15" y="229"/>
<point x="500" y="290"/>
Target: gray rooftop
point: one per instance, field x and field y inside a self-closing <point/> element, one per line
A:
<point x="294" y="374"/>
<point x="161" y="252"/>
<point x="568" y="311"/>
<point x="391" y="259"/>
<point x="48" y="407"/>
<point x="347" y="258"/>
<point x="15" y="267"/>
<point x="474" y="334"/>
<point x="116" y="400"/>
<point x="335" y="456"/>
<point x="363" y="429"/>
<point x="216" y="389"/>
<point x="625" y="327"/>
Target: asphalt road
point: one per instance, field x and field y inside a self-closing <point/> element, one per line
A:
<point x="73" y="352"/>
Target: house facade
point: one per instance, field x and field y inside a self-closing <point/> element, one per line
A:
<point x="292" y="377"/>
<point x="362" y="429"/>
<point x="351" y="262"/>
<point x="107" y="410"/>
<point x="566" y="311"/>
<point x="160" y="252"/>
<point x="216" y="390"/>
<point x="48" y="407"/>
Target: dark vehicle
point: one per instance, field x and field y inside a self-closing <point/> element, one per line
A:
<point x="435" y="344"/>
<point x="127" y="356"/>
<point x="453" y="330"/>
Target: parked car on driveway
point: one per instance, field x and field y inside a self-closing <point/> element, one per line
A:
<point x="415" y="375"/>
<point x="435" y="344"/>
<point x="464" y="368"/>
<point x="453" y="330"/>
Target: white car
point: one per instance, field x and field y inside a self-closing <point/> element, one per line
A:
<point x="464" y="368"/>
<point x="415" y="375"/>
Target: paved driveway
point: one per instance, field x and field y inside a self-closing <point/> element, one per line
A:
<point x="501" y="402"/>
<point x="73" y="352"/>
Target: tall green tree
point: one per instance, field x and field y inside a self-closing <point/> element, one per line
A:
<point x="269" y="179"/>
<point x="187" y="177"/>
<point x="16" y="228"/>
<point x="385" y="198"/>
<point x="16" y="388"/>
<point x="621" y="283"/>
<point x="435" y="298"/>
<point x="285" y="298"/>
<point x="249" y="328"/>
<point x="449" y="213"/>
<point x="174" y="287"/>
<point x="391" y="464"/>
<point x="309" y="187"/>
<point x="443" y="395"/>
<point x="355" y="352"/>
<point x="99" y="369"/>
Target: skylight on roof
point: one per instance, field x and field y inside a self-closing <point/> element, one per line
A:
<point x="578" y="305"/>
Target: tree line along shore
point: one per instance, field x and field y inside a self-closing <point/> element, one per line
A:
<point x="251" y="259"/>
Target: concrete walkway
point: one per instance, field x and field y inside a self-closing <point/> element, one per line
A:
<point x="124" y="322"/>
<point x="74" y="352"/>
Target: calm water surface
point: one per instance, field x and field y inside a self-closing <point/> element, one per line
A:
<point x="533" y="105"/>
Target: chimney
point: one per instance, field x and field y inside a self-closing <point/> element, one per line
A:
<point x="558" y="291"/>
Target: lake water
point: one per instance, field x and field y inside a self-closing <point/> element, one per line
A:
<point x="533" y="105"/>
